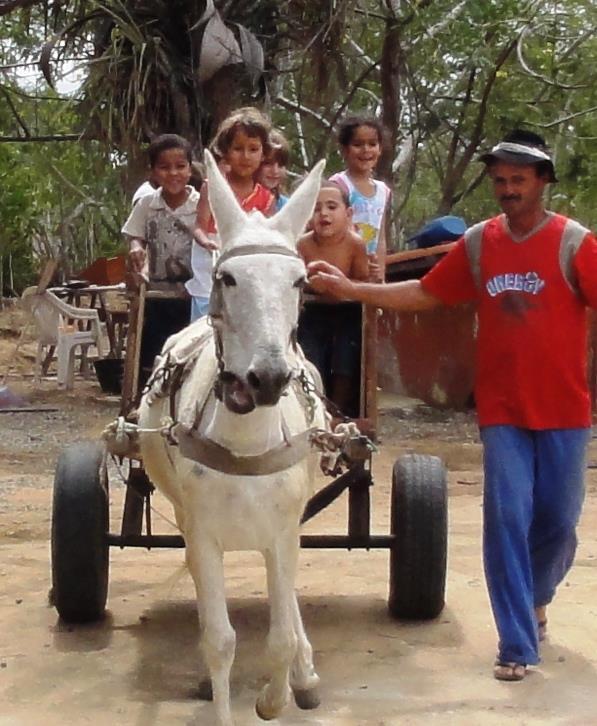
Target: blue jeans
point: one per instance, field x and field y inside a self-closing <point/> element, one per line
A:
<point x="534" y="490"/>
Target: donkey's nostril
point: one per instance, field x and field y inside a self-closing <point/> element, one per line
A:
<point x="253" y="380"/>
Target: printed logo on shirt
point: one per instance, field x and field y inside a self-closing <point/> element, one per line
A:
<point x="520" y="282"/>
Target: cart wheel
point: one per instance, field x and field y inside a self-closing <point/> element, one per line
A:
<point x="79" y="526"/>
<point x="419" y="523"/>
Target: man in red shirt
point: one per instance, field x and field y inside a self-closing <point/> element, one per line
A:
<point x="532" y="273"/>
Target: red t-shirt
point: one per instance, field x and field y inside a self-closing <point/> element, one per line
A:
<point x="532" y="337"/>
<point x="260" y="199"/>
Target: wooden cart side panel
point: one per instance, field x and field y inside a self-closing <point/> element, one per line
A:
<point x="429" y="355"/>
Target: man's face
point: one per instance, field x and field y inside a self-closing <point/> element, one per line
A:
<point x="517" y="188"/>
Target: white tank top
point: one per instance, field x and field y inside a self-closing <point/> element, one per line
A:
<point x="367" y="212"/>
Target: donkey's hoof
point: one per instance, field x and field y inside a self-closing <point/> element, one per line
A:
<point x="307" y="699"/>
<point x="266" y="708"/>
<point x="205" y="691"/>
<point x="263" y="712"/>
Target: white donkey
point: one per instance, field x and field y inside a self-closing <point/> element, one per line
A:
<point x="243" y="469"/>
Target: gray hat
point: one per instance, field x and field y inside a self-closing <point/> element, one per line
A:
<point x="520" y="153"/>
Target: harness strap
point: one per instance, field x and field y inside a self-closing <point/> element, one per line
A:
<point x="244" y="250"/>
<point x="204" y="451"/>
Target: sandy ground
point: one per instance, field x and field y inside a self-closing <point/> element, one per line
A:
<point x="138" y="666"/>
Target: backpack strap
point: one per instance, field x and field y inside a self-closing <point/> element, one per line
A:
<point x="473" y="238"/>
<point x="572" y="238"/>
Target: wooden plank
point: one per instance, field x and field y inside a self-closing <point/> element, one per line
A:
<point x="419" y="254"/>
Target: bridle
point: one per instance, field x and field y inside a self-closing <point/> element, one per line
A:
<point x="216" y="301"/>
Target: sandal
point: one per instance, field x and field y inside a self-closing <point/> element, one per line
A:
<point x="509" y="671"/>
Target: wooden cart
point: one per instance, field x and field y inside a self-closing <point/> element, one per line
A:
<point x="418" y="532"/>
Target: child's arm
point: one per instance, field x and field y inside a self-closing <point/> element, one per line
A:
<point x="377" y="261"/>
<point x="271" y="207"/>
<point x="202" y="222"/>
<point x="302" y="247"/>
<point x="134" y="230"/>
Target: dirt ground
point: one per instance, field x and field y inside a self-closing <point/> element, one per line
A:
<point x="138" y="667"/>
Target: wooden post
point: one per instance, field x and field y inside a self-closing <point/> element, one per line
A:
<point x="130" y="378"/>
<point x="369" y="365"/>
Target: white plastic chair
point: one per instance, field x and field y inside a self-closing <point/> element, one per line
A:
<point x="59" y="325"/>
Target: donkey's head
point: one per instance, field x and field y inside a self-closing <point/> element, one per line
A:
<point x="254" y="303"/>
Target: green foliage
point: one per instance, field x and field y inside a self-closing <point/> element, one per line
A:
<point x="447" y="78"/>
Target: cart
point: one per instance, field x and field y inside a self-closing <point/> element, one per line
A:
<point x="417" y="540"/>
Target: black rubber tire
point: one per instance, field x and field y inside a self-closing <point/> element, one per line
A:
<point x="80" y="551"/>
<point x="419" y="522"/>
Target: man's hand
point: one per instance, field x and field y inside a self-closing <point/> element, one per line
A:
<point x="329" y="280"/>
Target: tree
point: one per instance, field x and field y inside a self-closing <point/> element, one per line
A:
<point x="446" y="77"/>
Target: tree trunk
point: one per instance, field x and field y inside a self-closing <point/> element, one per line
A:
<point x="390" y="67"/>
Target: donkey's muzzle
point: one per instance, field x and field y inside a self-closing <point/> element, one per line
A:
<point x="268" y="382"/>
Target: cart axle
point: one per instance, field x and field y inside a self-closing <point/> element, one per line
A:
<point x="308" y="541"/>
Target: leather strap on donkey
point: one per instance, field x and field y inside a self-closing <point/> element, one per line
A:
<point x="208" y="453"/>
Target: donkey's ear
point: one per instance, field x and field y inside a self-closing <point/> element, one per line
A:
<point x="292" y="219"/>
<point x="225" y="208"/>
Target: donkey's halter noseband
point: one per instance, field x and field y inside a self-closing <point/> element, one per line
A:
<point x="216" y="302"/>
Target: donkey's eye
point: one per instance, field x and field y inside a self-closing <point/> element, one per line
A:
<point x="300" y="283"/>
<point x="228" y="280"/>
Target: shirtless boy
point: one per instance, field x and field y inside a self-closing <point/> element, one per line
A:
<point x="330" y="333"/>
<point x="332" y="237"/>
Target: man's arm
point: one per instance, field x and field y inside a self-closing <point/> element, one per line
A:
<point x="409" y="295"/>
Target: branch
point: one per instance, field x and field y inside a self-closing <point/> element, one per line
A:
<point x="362" y="55"/>
<point x="567" y="118"/>
<point x="23" y="94"/>
<point x="534" y="74"/>
<point x="471" y="187"/>
<point x="355" y="87"/>
<point x="43" y="139"/>
<point x="299" y="126"/>
<point x="15" y="113"/>
<point x="438" y="27"/>
<point x="7" y="6"/>
<point x="478" y="127"/>
<point x="296" y="107"/>
<point x="405" y="153"/>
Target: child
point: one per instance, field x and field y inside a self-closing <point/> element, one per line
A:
<point x="330" y="333"/>
<point x="361" y="142"/>
<point x="240" y="144"/>
<point x="160" y="229"/>
<point x="272" y="173"/>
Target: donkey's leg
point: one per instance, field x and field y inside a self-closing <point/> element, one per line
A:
<point x="218" y="640"/>
<point x="281" y="563"/>
<point x="303" y="678"/>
